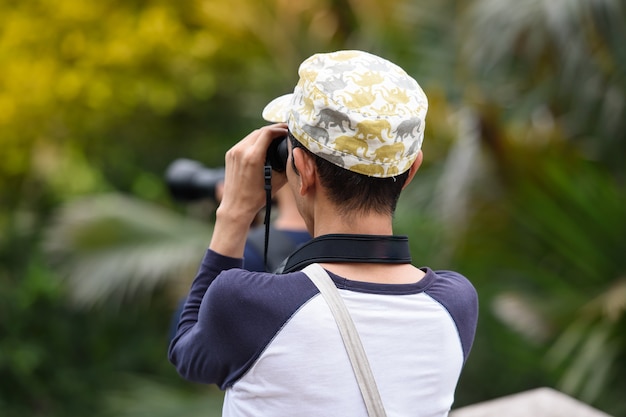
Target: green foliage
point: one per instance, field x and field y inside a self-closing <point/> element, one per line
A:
<point x="146" y="396"/>
<point x="575" y="218"/>
<point x="556" y="269"/>
<point x="54" y="359"/>
<point x="554" y="61"/>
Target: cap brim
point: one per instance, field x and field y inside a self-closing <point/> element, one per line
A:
<point x="277" y="111"/>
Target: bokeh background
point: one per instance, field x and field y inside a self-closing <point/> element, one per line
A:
<point x="523" y="188"/>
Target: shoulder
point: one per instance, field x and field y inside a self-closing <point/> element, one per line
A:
<point x="249" y="292"/>
<point x="451" y="286"/>
<point x="238" y="280"/>
<point x="459" y="297"/>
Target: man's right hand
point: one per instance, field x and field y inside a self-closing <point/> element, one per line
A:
<point x="244" y="190"/>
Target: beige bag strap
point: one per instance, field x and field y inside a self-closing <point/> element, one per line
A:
<point x="351" y="339"/>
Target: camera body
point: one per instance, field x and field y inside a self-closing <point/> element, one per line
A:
<point x="277" y="154"/>
<point x="190" y="180"/>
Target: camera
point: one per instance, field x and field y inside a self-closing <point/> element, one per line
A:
<point x="277" y="154"/>
<point x="190" y="180"/>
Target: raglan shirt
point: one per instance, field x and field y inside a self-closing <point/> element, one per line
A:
<point x="272" y="343"/>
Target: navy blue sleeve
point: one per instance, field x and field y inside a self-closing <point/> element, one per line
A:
<point x="457" y="295"/>
<point x="238" y="315"/>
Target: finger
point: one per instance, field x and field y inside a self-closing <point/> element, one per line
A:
<point x="253" y="147"/>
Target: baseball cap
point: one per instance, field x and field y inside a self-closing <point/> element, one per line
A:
<point x="356" y="110"/>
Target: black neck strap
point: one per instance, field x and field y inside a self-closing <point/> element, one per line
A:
<point x="335" y="248"/>
<point x="268" y="209"/>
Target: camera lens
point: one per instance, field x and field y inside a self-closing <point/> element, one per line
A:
<point x="189" y="180"/>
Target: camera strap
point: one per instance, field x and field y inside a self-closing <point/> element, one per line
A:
<point x="268" y="208"/>
<point x="334" y="248"/>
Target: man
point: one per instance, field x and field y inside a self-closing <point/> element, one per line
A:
<point x="355" y="124"/>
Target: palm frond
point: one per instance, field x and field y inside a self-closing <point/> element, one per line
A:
<point x="571" y="217"/>
<point x="561" y="54"/>
<point x="586" y="353"/>
<point x="111" y="247"/>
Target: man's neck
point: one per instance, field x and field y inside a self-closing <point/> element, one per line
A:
<point x="324" y="217"/>
<point x="369" y="224"/>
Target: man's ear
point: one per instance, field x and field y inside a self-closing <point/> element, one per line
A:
<point x="413" y="170"/>
<point x="305" y="169"/>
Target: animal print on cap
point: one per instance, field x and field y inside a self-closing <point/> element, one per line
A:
<point x="357" y="110"/>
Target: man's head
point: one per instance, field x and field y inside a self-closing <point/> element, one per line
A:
<point x="356" y="110"/>
<point x="362" y="115"/>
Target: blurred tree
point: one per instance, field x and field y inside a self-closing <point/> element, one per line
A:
<point x="553" y="64"/>
<point x="536" y="180"/>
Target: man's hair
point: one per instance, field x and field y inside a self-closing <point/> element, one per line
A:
<point x="351" y="191"/>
